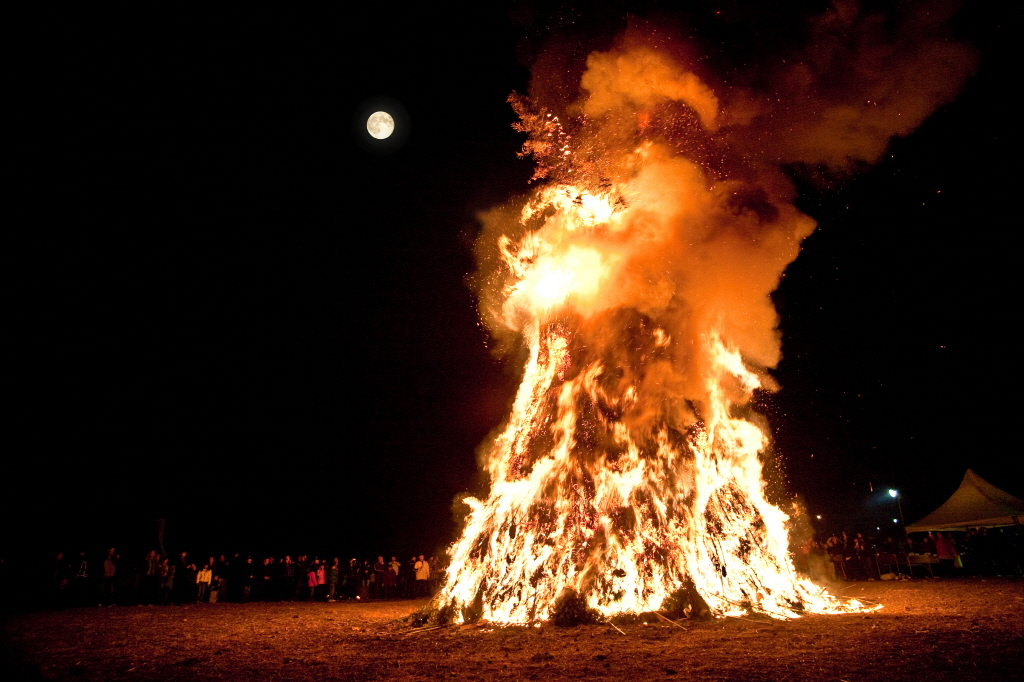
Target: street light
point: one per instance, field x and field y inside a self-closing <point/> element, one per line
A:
<point x="896" y="494"/>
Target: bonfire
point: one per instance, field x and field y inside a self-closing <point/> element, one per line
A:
<point x="634" y="283"/>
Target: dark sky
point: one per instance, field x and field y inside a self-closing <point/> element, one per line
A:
<point x="232" y="315"/>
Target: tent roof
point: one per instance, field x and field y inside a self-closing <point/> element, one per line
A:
<point x="975" y="503"/>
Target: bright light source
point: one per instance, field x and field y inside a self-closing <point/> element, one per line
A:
<point x="893" y="493"/>
<point x="818" y="517"/>
<point x="895" y="520"/>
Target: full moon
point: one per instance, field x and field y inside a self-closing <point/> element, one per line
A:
<point x="380" y="125"/>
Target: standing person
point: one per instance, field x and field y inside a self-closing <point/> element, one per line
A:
<point x="215" y="571"/>
<point x="969" y="556"/>
<point x="203" y="579"/>
<point x="333" y="574"/>
<point x="379" y="569"/>
<point x="188" y="585"/>
<point x="166" y="573"/>
<point x="352" y="579"/>
<point x="365" y="578"/>
<point x="247" y="575"/>
<point x="321" y="579"/>
<point x="301" y="577"/>
<point x="107" y="582"/>
<point x="311" y="581"/>
<point x="60" y="576"/>
<point x="389" y="580"/>
<point x="149" y="580"/>
<point x="834" y="547"/>
<point x="816" y="561"/>
<point x="422" y="577"/>
<point x="435" y="575"/>
<point x="80" y="578"/>
<point x="407" y="578"/>
<point x="946" y="551"/>
<point x="184" y="589"/>
<point x="866" y="556"/>
<point x="229" y="578"/>
<point x="285" y="578"/>
<point x="261" y="584"/>
<point x="981" y="549"/>
<point x="928" y="544"/>
<point x="268" y="581"/>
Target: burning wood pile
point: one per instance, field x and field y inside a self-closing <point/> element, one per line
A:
<point x="635" y="281"/>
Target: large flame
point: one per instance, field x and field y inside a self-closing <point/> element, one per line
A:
<point x="599" y="483"/>
<point x="638" y="277"/>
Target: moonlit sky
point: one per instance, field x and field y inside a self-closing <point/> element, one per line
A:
<point x="230" y="315"/>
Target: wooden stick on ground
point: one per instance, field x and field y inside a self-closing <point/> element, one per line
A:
<point x="669" y="620"/>
<point x="419" y="630"/>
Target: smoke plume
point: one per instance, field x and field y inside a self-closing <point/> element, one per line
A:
<point x="863" y="78"/>
<point x="713" y="226"/>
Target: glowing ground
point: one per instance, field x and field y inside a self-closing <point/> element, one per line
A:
<point x="928" y="630"/>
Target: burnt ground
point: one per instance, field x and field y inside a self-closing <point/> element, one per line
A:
<point x="928" y="630"/>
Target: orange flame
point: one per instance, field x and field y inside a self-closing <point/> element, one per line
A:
<point x="630" y="467"/>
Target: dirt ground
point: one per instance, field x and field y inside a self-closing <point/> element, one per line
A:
<point x="928" y="630"/>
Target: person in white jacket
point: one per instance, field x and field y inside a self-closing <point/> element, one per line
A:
<point x="203" y="579"/>
<point x="422" y="577"/>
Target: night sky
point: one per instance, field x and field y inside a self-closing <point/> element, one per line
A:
<point x="232" y="314"/>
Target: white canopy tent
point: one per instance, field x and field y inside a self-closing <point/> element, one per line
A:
<point x="976" y="503"/>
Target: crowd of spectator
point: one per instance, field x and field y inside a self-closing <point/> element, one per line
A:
<point x="108" y="578"/>
<point x="182" y="579"/>
<point x="976" y="552"/>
